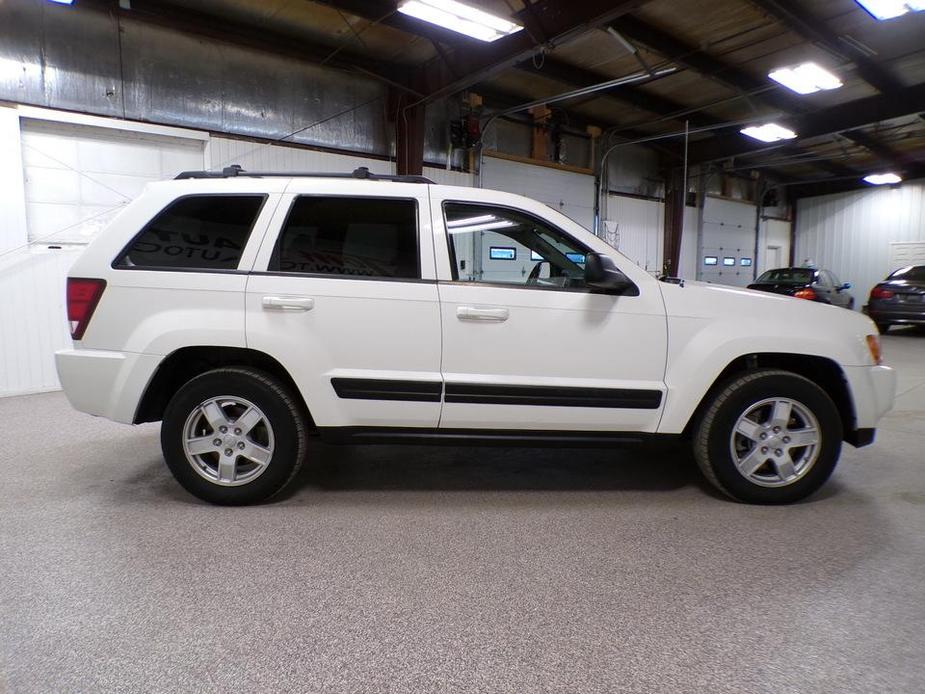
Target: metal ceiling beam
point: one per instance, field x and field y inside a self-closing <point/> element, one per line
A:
<point x="563" y="21"/>
<point x="795" y="16"/>
<point x="550" y="67"/>
<point x="690" y="56"/>
<point x="634" y="96"/>
<point x="843" y="185"/>
<point x="546" y="22"/>
<point x="804" y="123"/>
<point x="842" y="118"/>
<point x="372" y="10"/>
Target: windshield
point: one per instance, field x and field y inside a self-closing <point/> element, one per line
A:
<point x="796" y="275"/>
<point x="913" y="273"/>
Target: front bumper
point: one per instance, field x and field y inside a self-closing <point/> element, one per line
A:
<point x="873" y="389"/>
<point x="105" y="384"/>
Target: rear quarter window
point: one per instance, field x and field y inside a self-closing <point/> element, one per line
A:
<point x="196" y="232"/>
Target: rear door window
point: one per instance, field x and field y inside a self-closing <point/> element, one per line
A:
<point x="196" y="232"/>
<point x="353" y="237"/>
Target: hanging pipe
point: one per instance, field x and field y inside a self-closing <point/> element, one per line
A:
<point x="654" y="138"/>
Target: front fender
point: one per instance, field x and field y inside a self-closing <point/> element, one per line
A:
<point x="710" y="326"/>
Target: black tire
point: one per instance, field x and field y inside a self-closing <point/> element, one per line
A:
<point x="282" y="417"/>
<point x="714" y="431"/>
<point x="851" y="304"/>
<point x="883" y="328"/>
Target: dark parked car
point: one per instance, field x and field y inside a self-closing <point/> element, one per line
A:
<point x="900" y="298"/>
<point x="806" y="283"/>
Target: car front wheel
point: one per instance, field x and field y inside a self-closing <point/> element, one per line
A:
<point x="233" y="436"/>
<point x="768" y="437"/>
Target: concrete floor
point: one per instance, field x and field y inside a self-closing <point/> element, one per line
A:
<point x="452" y="570"/>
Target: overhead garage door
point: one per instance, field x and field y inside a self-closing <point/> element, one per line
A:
<point x="78" y="177"/>
<point x="728" y="242"/>
<point x="635" y="228"/>
<point x="570" y="193"/>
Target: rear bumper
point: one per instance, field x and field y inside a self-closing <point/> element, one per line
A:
<point x="873" y="389"/>
<point x="891" y="313"/>
<point x="899" y="318"/>
<point x="105" y="384"/>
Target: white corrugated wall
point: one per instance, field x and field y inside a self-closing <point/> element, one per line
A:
<point x="850" y="233"/>
<point x="569" y="192"/>
<point x="33" y="321"/>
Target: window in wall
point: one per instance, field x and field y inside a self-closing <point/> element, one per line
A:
<point x="710" y="260"/>
<point x="199" y="232"/>
<point x="503" y="253"/>
<point x="358" y="237"/>
<point x="727" y="261"/>
<point x="745" y="262"/>
<point x="496" y="244"/>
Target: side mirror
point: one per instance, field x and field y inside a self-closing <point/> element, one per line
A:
<point x="846" y="285"/>
<point x="601" y="273"/>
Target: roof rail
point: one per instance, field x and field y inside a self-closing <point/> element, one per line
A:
<point x="362" y="172"/>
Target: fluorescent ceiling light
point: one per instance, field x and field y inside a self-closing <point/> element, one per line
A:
<point x="63" y="2"/>
<point x="806" y="78"/>
<point x="884" y="178"/>
<point x="487" y="226"/>
<point x="453" y="15"/>
<point x="468" y="221"/>
<point x="887" y="9"/>
<point x="769" y="132"/>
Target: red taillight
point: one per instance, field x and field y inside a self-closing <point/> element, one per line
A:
<point x="82" y="297"/>
<point x="805" y="294"/>
<point x="881" y="293"/>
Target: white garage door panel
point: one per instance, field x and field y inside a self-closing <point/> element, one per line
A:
<point x="728" y="232"/>
<point x="637" y="226"/>
<point x="570" y="193"/>
<point x="906" y="253"/>
<point x="78" y="177"/>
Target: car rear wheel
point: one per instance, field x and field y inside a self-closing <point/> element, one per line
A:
<point x="233" y="436"/>
<point x="768" y="437"/>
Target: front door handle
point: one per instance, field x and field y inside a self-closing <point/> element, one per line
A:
<point x="288" y="303"/>
<point x="498" y="315"/>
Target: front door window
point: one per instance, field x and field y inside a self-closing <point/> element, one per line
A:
<point x="497" y="245"/>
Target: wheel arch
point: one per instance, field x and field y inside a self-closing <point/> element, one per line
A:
<point x="188" y="362"/>
<point x="824" y="372"/>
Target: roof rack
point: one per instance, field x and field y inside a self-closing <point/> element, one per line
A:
<point x="362" y="173"/>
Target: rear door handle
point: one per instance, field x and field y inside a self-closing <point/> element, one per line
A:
<point x="498" y="315"/>
<point x="288" y="303"/>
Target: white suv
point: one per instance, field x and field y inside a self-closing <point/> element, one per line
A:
<point x="249" y="310"/>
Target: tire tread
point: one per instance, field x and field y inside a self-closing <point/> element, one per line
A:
<point x="702" y="432"/>
<point x="290" y="402"/>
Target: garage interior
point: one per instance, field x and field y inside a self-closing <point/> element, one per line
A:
<point x="465" y="569"/>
